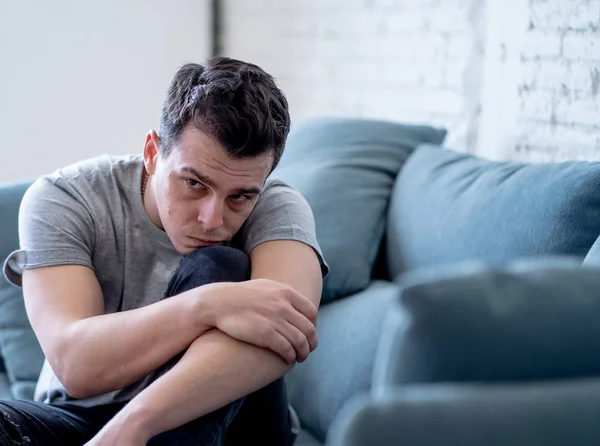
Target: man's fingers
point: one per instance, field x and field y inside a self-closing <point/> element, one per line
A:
<point x="297" y="339"/>
<point x="282" y="346"/>
<point x="306" y="327"/>
<point x="304" y="306"/>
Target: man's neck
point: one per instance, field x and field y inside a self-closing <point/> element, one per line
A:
<point x="149" y="199"/>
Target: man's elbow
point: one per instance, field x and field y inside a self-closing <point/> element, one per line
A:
<point x="69" y="376"/>
<point x="71" y="369"/>
<point x="81" y="383"/>
<point x="76" y="390"/>
<point x="73" y="377"/>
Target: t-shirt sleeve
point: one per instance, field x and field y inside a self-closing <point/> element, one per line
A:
<point x="281" y="213"/>
<point x="55" y="228"/>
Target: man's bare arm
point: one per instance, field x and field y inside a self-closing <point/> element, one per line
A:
<point x="93" y="353"/>
<point x="218" y="369"/>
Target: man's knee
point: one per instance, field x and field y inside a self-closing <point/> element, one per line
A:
<point x="209" y="265"/>
<point x="216" y="264"/>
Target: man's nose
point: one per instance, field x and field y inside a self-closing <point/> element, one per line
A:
<point x="211" y="213"/>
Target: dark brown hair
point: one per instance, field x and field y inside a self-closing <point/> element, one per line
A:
<point x="234" y="102"/>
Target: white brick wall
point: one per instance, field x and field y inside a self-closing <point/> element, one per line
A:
<point x="558" y="83"/>
<point x="510" y="78"/>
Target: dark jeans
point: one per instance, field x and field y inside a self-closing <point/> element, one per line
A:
<point x="260" y="418"/>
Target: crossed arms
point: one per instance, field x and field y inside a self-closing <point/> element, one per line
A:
<point x="254" y="331"/>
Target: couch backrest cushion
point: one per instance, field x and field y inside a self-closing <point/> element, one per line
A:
<point x="345" y="168"/>
<point x="20" y="349"/>
<point x="448" y="207"/>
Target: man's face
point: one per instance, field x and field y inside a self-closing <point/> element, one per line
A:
<point x="203" y="196"/>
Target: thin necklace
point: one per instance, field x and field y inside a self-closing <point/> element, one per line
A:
<point x="144" y="185"/>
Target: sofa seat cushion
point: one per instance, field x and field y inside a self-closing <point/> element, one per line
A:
<point x="345" y="168"/>
<point x="5" y="393"/>
<point x="449" y="207"/>
<point x="342" y="365"/>
<point x="551" y="413"/>
<point x="534" y="319"/>
<point x="306" y="439"/>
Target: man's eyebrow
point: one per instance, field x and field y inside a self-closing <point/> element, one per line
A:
<point x="204" y="179"/>
<point x="248" y="191"/>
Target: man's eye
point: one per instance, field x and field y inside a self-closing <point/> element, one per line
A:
<point x="193" y="183"/>
<point x="240" y="198"/>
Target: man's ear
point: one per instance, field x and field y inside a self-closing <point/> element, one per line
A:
<point x="151" y="148"/>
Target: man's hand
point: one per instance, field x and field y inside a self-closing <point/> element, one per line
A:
<point x="267" y="314"/>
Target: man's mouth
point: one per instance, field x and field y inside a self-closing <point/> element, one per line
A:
<point x="202" y="242"/>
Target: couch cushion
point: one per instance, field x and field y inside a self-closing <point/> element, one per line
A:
<point x="593" y="255"/>
<point x="449" y="207"/>
<point x="5" y="393"/>
<point x="23" y="389"/>
<point x="306" y="439"/>
<point x="554" y="413"/>
<point x="342" y="365"/>
<point x="531" y="319"/>
<point x="20" y="349"/>
<point x="345" y="168"/>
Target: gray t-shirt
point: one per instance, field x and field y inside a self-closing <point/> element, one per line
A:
<point x="91" y="214"/>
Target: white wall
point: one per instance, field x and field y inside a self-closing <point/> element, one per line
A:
<point x="510" y="79"/>
<point x="79" y="79"/>
<point x="542" y="79"/>
<point x="401" y="60"/>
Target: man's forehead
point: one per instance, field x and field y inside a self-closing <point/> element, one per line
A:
<point x="209" y="151"/>
<point x="248" y="169"/>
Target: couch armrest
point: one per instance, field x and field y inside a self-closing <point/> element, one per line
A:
<point x="557" y="413"/>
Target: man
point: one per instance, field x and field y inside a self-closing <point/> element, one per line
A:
<point x="170" y="292"/>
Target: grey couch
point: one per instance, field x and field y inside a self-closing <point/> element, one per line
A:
<point x="457" y="310"/>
